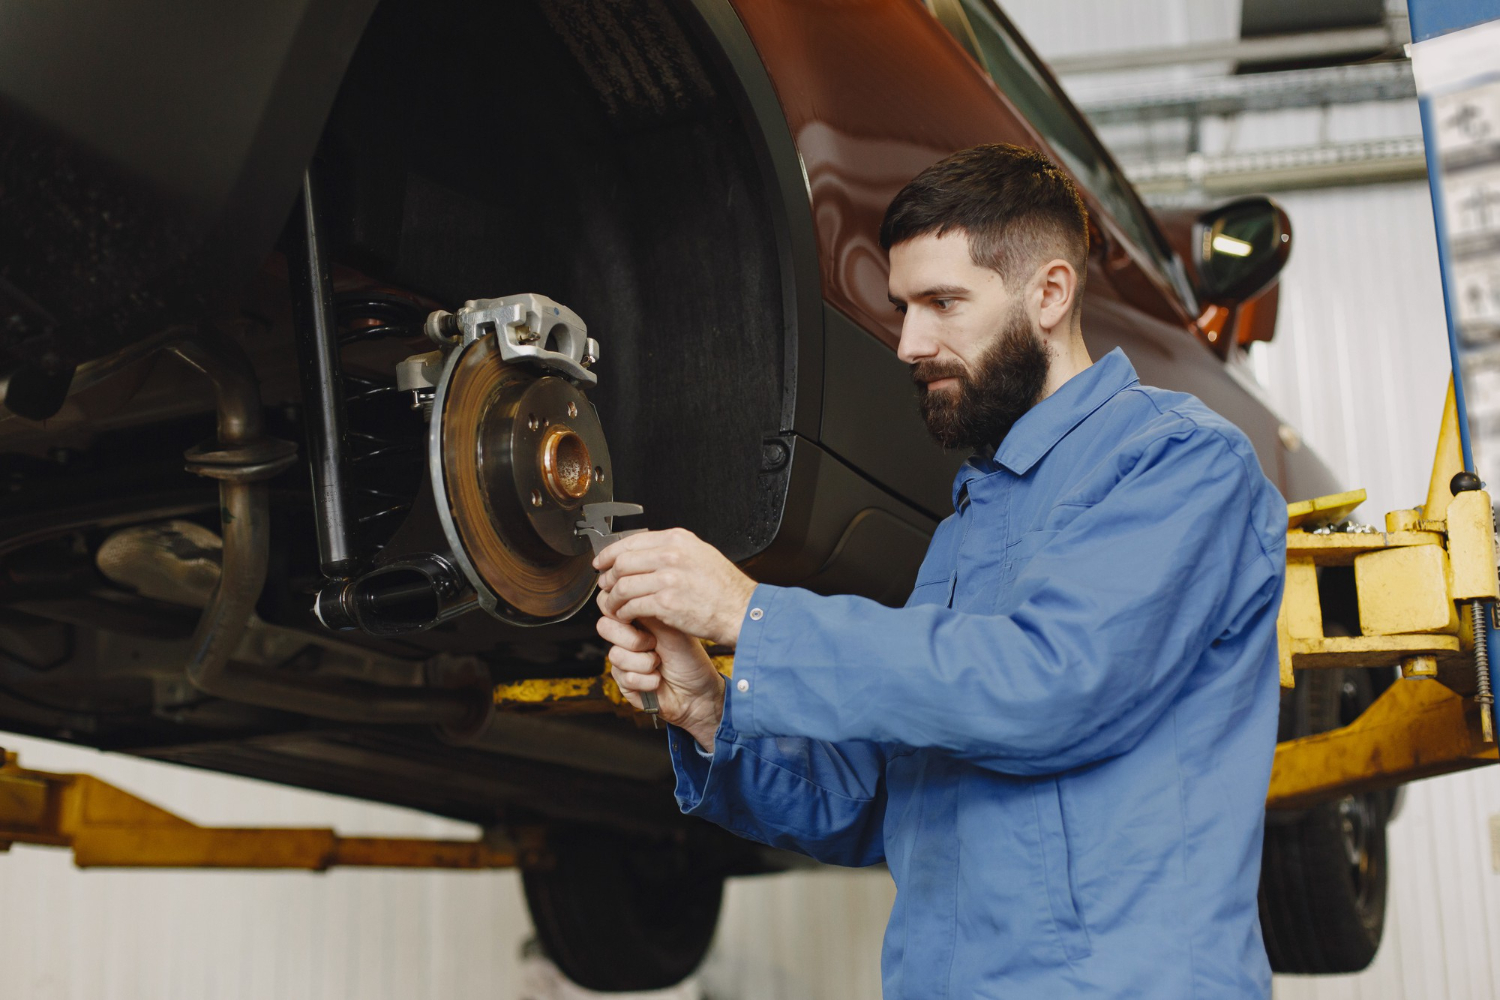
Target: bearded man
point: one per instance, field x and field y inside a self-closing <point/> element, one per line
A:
<point x="1061" y="744"/>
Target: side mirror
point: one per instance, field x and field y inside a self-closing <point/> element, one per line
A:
<point x="1240" y="248"/>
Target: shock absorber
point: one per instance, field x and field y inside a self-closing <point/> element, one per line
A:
<point x="322" y="392"/>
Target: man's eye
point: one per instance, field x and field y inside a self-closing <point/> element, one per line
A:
<point x="942" y="305"/>
<point x="900" y="308"/>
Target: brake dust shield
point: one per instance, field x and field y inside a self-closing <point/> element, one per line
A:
<point x="515" y="453"/>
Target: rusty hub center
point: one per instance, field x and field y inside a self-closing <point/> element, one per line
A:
<point x="567" y="470"/>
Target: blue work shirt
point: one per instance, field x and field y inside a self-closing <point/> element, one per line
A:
<point x="1061" y="745"/>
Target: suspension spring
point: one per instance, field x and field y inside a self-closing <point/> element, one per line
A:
<point x="1483" y="697"/>
<point x="383" y="455"/>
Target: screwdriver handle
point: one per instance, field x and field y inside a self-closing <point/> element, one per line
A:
<point x="649" y="702"/>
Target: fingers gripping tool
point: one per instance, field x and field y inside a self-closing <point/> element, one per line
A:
<point x="595" y="526"/>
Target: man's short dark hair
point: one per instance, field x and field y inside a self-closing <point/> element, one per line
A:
<point x="1018" y="207"/>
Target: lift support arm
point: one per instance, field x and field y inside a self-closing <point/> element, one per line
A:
<point x="107" y="827"/>
<point x="1415" y="729"/>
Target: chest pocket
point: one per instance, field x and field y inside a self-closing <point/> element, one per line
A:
<point x="1025" y="549"/>
<point x="933" y="592"/>
<point x="1061" y="516"/>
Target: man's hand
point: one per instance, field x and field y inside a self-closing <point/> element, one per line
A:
<point x="674" y="665"/>
<point x="675" y="578"/>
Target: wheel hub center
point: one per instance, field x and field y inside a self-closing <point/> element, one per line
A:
<point x="567" y="470"/>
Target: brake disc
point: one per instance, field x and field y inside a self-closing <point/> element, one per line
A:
<point x="515" y="453"/>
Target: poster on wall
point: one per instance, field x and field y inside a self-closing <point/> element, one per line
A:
<point x="1457" y="70"/>
<point x="1468" y="140"/>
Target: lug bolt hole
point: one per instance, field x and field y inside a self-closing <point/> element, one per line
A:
<point x="532" y="423"/>
<point x="536" y="498"/>
<point x="572" y="409"/>
<point x="599" y="473"/>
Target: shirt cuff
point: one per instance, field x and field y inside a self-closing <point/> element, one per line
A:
<point x="694" y="766"/>
<point x="741" y="690"/>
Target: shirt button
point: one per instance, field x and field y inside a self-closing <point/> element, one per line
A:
<point x="742" y="686"/>
<point x="756" y="614"/>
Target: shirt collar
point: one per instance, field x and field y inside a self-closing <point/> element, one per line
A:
<point x="1048" y="422"/>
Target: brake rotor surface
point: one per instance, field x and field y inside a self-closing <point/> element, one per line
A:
<point x="516" y="453"/>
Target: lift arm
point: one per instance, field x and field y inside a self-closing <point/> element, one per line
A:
<point x="107" y="827"/>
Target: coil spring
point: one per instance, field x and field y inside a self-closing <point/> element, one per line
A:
<point x="381" y="452"/>
<point x="1482" y="695"/>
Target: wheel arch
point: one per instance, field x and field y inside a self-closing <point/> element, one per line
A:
<point x="631" y="160"/>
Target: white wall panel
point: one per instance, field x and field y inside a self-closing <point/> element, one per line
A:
<point x="1082" y="27"/>
<point x="1360" y="361"/>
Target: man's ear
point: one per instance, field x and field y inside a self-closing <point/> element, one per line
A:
<point x="1055" y="292"/>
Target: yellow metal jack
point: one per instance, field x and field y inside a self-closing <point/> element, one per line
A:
<point x="106" y="827"/>
<point x="1422" y="585"/>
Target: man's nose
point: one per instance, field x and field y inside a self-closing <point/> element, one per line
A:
<point x="915" y="343"/>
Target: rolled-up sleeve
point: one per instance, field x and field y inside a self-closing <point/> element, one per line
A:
<point x="1102" y="628"/>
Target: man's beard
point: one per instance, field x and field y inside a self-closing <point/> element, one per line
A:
<point x="1007" y="381"/>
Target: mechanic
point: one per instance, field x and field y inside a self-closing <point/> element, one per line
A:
<point x="1061" y="745"/>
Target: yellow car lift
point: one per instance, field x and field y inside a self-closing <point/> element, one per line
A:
<point x="1423" y="585"/>
<point x="1426" y="587"/>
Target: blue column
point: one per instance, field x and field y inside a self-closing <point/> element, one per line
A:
<point x="1431" y="19"/>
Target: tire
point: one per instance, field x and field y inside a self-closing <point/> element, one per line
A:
<point x="616" y="916"/>
<point x="1324" y="870"/>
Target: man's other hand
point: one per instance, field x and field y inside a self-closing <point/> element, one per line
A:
<point x="650" y="656"/>
<point x="675" y="578"/>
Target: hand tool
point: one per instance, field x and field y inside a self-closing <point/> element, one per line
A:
<point x="596" y="529"/>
